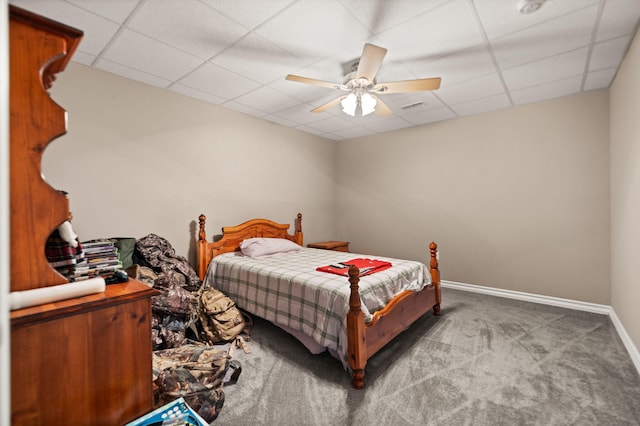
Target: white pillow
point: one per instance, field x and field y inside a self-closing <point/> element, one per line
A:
<point x="257" y="247"/>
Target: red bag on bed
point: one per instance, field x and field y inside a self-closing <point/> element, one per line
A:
<point x="366" y="266"/>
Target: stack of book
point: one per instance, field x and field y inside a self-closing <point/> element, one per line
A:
<point x="101" y="259"/>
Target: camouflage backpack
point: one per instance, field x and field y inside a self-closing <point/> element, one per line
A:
<point x="221" y="320"/>
<point x="193" y="372"/>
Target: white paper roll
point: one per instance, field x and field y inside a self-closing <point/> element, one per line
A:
<point x="39" y="296"/>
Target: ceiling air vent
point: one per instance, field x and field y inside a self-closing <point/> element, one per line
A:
<point x="413" y="105"/>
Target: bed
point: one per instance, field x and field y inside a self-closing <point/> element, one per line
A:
<point x="352" y="316"/>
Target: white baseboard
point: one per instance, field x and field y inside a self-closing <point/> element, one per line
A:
<point x="556" y="301"/>
<point x="530" y="297"/>
<point x="631" y="348"/>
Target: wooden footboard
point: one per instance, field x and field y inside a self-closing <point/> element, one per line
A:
<point x="365" y="339"/>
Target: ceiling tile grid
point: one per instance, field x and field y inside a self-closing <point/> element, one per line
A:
<point x="237" y="53"/>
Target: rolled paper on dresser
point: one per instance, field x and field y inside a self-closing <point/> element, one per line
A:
<point x="40" y="296"/>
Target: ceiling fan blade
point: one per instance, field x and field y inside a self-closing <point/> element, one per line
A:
<point x="370" y="61"/>
<point x="328" y="105"/>
<point x="313" y="81"/>
<point x="409" y="85"/>
<point x="381" y="107"/>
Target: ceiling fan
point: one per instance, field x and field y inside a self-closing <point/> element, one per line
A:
<point x="363" y="88"/>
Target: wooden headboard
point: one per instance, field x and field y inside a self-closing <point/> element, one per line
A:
<point x="232" y="236"/>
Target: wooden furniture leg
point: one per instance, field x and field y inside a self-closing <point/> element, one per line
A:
<point x="435" y="275"/>
<point x="356" y="331"/>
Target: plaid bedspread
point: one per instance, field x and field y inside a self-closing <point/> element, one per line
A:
<point x="286" y="289"/>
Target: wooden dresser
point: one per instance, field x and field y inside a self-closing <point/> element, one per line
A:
<point x="85" y="360"/>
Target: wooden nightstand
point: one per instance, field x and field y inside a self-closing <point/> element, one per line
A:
<point x="331" y="245"/>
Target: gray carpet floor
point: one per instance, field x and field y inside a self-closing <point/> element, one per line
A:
<point x="485" y="361"/>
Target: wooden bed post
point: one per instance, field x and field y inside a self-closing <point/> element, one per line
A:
<point x="435" y="275"/>
<point x="201" y="248"/>
<point x="298" y="229"/>
<point x="356" y="331"/>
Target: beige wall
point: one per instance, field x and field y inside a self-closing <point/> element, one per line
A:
<point x="139" y="160"/>
<point x="517" y="199"/>
<point x="625" y="192"/>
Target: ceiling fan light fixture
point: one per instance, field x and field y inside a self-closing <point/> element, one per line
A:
<point x="349" y="104"/>
<point x="368" y="104"/>
<point x="362" y="88"/>
<point x="526" y="7"/>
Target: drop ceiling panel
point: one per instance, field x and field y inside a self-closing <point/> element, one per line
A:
<point x="479" y="87"/>
<point x="501" y="17"/>
<point x="548" y="90"/>
<point x="244" y="109"/>
<point x="608" y="54"/>
<point x="550" y="38"/>
<point x="441" y="31"/>
<point x="116" y="11"/>
<point x="546" y="70"/>
<point x="599" y="79"/>
<point x="312" y="39"/>
<point x="196" y="94"/>
<point x="459" y="66"/>
<point x="353" y="132"/>
<point x="187" y="25"/>
<point x="207" y="78"/>
<point x="478" y="106"/>
<point x="330" y="124"/>
<point x="425" y="117"/>
<point x="130" y="73"/>
<point x="98" y="30"/>
<point x="149" y="55"/>
<point x="393" y="123"/>
<point x="237" y="53"/>
<point x="619" y="18"/>
<point x="379" y="16"/>
<point x="267" y="100"/>
<point x="249" y="14"/>
<point x="258" y="59"/>
<point x="84" y="58"/>
<point x="300" y="114"/>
